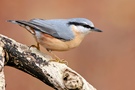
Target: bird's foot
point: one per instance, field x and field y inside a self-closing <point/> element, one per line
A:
<point x="59" y="61"/>
<point x="36" y="46"/>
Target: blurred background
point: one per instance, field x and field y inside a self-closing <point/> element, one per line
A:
<point x="106" y="60"/>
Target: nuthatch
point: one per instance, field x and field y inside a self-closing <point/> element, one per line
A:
<point x="58" y="34"/>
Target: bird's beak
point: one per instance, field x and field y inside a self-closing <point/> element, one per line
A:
<point x="96" y="29"/>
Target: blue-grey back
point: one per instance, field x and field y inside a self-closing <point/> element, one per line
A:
<point x="57" y="27"/>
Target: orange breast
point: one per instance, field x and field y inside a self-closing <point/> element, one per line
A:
<point x="55" y="44"/>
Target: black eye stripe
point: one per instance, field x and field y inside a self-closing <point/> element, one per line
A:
<point x="80" y="24"/>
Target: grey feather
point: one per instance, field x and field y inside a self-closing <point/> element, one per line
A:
<point x="57" y="28"/>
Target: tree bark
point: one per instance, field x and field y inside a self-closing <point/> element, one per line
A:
<point x="30" y="60"/>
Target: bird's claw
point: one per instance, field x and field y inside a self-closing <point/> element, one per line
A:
<point x="36" y="46"/>
<point x="59" y="61"/>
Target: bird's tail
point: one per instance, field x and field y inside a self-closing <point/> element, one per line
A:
<point x="27" y="25"/>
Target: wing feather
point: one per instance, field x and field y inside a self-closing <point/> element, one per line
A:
<point x="56" y="28"/>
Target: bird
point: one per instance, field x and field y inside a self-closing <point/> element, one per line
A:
<point x="58" y="34"/>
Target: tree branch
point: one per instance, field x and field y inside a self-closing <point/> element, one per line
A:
<point x="2" y="60"/>
<point x="28" y="59"/>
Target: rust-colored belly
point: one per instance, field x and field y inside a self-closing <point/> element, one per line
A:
<point x="55" y="44"/>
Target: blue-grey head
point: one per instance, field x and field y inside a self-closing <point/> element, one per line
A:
<point x="83" y="25"/>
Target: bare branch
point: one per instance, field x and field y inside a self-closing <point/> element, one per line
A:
<point x="28" y="59"/>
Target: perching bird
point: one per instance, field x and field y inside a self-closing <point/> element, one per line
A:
<point x="58" y="34"/>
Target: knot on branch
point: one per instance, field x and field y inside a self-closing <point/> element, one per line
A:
<point x="72" y="80"/>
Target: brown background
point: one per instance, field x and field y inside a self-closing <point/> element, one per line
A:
<point x="106" y="60"/>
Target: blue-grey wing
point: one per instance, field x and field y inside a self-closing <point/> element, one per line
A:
<point x="56" y="28"/>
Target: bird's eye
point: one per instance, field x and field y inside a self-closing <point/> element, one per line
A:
<point x="74" y="23"/>
<point x="86" y="26"/>
<point x="79" y="24"/>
